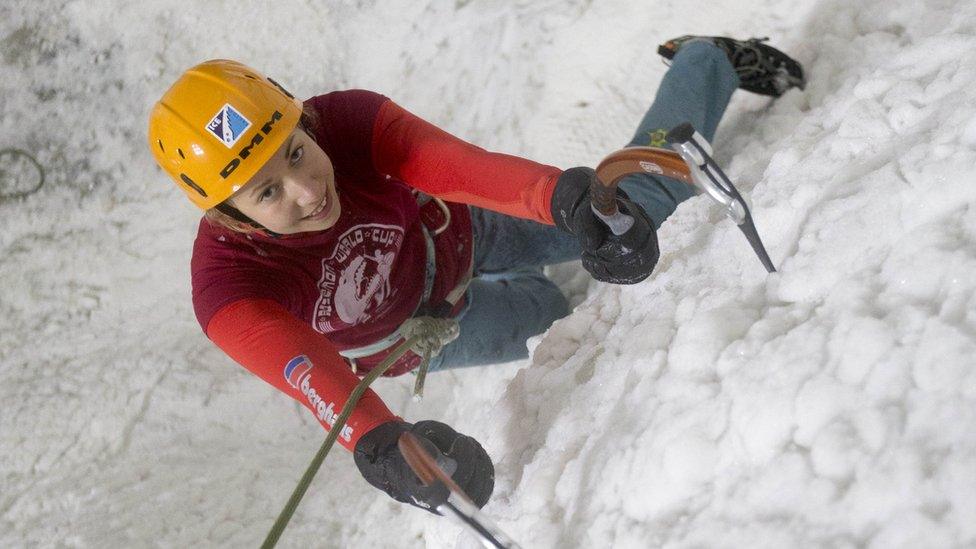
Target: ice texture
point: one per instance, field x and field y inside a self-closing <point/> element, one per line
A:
<point x="832" y="404"/>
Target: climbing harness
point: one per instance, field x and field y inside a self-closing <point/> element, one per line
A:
<point x="444" y="329"/>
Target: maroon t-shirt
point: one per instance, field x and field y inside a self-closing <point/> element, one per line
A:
<point x="357" y="281"/>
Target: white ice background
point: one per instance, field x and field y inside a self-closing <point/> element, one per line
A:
<point x="831" y="404"/>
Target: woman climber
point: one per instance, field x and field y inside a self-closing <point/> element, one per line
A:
<point x="331" y="222"/>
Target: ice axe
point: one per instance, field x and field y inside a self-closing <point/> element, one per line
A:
<point x="690" y="162"/>
<point x="458" y="505"/>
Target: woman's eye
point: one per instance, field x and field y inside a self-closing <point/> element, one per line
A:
<point x="268" y="193"/>
<point x="296" y="154"/>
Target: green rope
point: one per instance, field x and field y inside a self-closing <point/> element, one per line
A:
<point x="418" y="386"/>
<point x="37" y="166"/>
<point x="357" y="393"/>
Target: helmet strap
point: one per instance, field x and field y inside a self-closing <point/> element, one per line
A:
<point x="237" y="215"/>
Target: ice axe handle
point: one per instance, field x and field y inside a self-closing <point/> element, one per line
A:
<point x="617" y="165"/>
<point x="603" y="201"/>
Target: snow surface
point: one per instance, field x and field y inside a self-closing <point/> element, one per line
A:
<point x="830" y="404"/>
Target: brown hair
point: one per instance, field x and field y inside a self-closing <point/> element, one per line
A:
<point x="309" y="123"/>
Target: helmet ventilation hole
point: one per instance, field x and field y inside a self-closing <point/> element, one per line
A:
<point x="280" y="87"/>
<point x="192" y="184"/>
<point x="181" y="153"/>
<point x="160" y="141"/>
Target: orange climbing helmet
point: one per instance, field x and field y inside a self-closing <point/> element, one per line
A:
<point x="217" y="125"/>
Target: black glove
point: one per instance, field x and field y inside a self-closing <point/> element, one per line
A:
<point x="625" y="259"/>
<point x="382" y="465"/>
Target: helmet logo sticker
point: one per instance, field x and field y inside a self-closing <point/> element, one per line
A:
<point x="245" y="151"/>
<point x="228" y="125"/>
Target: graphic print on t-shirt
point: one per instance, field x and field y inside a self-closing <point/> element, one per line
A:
<point x="355" y="282"/>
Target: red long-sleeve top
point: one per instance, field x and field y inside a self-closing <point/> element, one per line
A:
<point x="284" y="306"/>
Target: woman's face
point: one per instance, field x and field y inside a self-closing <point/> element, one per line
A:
<point x="294" y="191"/>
